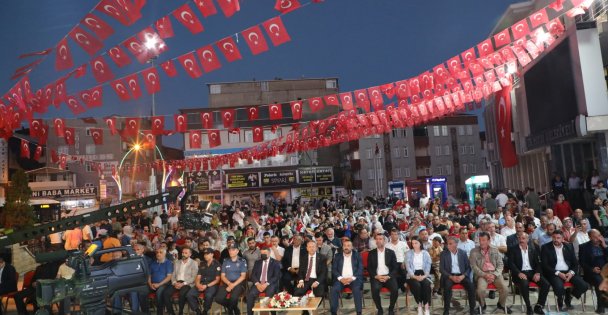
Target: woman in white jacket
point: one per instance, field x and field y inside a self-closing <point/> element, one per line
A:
<point x="418" y="265"/>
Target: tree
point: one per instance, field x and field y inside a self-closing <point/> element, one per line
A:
<point x="17" y="212"/>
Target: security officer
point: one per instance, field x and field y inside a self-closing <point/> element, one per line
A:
<point x="234" y="272"/>
<point x="207" y="282"/>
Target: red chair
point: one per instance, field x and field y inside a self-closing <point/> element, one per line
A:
<point x="492" y="288"/>
<point x="364" y="259"/>
<point x="457" y="287"/>
<point x="11" y="295"/>
<point x="533" y="287"/>
<point x="569" y="286"/>
<point x="348" y="290"/>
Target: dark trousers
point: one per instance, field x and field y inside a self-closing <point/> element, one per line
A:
<point x="160" y="301"/>
<point x="579" y="287"/>
<point x="336" y="290"/>
<point x="21" y="296"/>
<point x="253" y="294"/>
<point x="421" y="290"/>
<point x="447" y="284"/>
<point x="192" y="298"/>
<point x="230" y="300"/>
<point x="401" y="277"/>
<point x="319" y="291"/>
<point x="287" y="281"/>
<point x="391" y="285"/>
<point x="168" y="298"/>
<point x="595" y="279"/>
<point x="524" y="288"/>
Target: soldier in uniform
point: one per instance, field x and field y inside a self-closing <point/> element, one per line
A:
<point x="234" y="273"/>
<point x="207" y="281"/>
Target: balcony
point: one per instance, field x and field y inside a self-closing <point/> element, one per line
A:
<point x="423" y="161"/>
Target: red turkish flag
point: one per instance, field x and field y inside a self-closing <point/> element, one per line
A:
<point x="185" y="15"/>
<point x="346" y="99"/>
<point x="502" y="38"/>
<point x="119" y="56"/>
<point x="92" y="97"/>
<point x="252" y="113"/>
<point x="164" y="27"/>
<point x="121" y="90"/>
<point x="228" y="116"/>
<point x="539" y="18"/>
<point x="101" y="70"/>
<point x="149" y="139"/>
<point x="402" y="90"/>
<point x="362" y="99"/>
<point x="36" y="127"/>
<point x="190" y="64"/>
<point x="206" y="7"/>
<point x="275" y="111"/>
<point x="63" y="56"/>
<point x="70" y="135"/>
<point x="285" y="6"/>
<point x="98" y="26"/>
<point x="195" y="139"/>
<point x="133" y="85"/>
<point x="137" y="49"/>
<point x="88" y="42"/>
<point x="276" y="30"/>
<point x="376" y="99"/>
<point x="214" y="138"/>
<point x="151" y="81"/>
<point x="169" y="68"/>
<point x="59" y="125"/>
<point x="520" y="29"/>
<point x="315" y="104"/>
<point x="97" y="135"/>
<point x="258" y="134"/>
<point x="38" y="152"/>
<point x="131" y="126"/>
<point x="229" y="7"/>
<point x="508" y="156"/>
<point x="207" y="120"/>
<point x="60" y="93"/>
<point x="255" y="40"/>
<point x="44" y="135"/>
<point x="228" y="47"/>
<point x="114" y="10"/>
<point x="25" y="149"/>
<point x="181" y="123"/>
<point x="54" y="157"/>
<point x="74" y="105"/>
<point x="208" y="58"/>
<point x="158" y="125"/>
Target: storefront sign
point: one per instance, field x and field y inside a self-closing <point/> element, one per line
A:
<point x="245" y="180"/>
<point x="551" y="136"/>
<point x="201" y="180"/>
<point x="278" y="178"/>
<point x="315" y="175"/>
<point x="67" y="192"/>
<point x="324" y="175"/>
<point x="315" y="192"/>
<point x="215" y="180"/>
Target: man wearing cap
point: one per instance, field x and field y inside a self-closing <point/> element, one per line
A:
<point x="234" y="273"/>
<point x="224" y="254"/>
<point x="207" y="282"/>
<point x="265" y="277"/>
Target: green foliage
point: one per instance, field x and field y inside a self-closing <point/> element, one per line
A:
<point x="17" y="212"/>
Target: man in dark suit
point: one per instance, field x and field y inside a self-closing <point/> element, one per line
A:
<point x="513" y="240"/>
<point x="8" y="278"/>
<point x="265" y="276"/>
<point x="592" y="256"/>
<point x="560" y="266"/>
<point x="312" y="272"/>
<point x="383" y="269"/>
<point x="349" y="274"/>
<point x="524" y="271"/>
<point x="455" y="268"/>
<point x="291" y="266"/>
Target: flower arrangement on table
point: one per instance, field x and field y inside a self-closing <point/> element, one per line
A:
<point x="283" y="300"/>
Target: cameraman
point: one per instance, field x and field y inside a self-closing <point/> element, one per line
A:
<point x="161" y="271"/>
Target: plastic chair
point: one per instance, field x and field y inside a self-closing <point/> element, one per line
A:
<point x="569" y="286"/>
<point x="10" y="295"/>
<point x="532" y="286"/>
<point x="364" y="256"/>
<point x="348" y="290"/>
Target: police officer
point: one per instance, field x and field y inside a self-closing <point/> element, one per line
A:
<point x="234" y="272"/>
<point x="207" y="281"/>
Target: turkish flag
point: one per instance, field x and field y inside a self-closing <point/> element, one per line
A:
<point x="38" y="152"/>
<point x="376" y="99"/>
<point x="258" y="134"/>
<point x="228" y="47"/>
<point x="169" y="68"/>
<point x="331" y="100"/>
<point x="214" y="138"/>
<point x="181" y="123"/>
<point x="88" y="42"/>
<point x="35" y="127"/>
<point x="164" y="27"/>
<point x="195" y="139"/>
<point x="275" y="111"/>
<point x="346" y="99"/>
<point x="502" y="38"/>
<point x="101" y="70"/>
<point x="276" y="30"/>
<point x="255" y="40"/>
<point x="133" y="85"/>
<point x="59" y="125"/>
<point x="137" y="49"/>
<point x="158" y="125"/>
<point x="97" y="135"/>
<point x="98" y="26"/>
<point x="285" y="6"/>
<point x="189" y="62"/>
<point x="228" y="116"/>
<point x="315" y="104"/>
<point x="508" y="156"/>
<point x="63" y="56"/>
<point x="151" y="81"/>
<point x="70" y="135"/>
<point x="402" y="90"/>
<point x="114" y="10"/>
<point x="362" y="99"/>
<point x="520" y="29"/>
<point x="229" y="7"/>
<point x="539" y="18"/>
<point x="252" y="113"/>
<point x="208" y="58"/>
<point x="25" y="149"/>
<point x="54" y="157"/>
<point x="121" y="90"/>
<point x="119" y="56"/>
<point x="485" y="48"/>
<point x="60" y="92"/>
<point x="149" y="139"/>
<point x="207" y="120"/>
<point x="74" y="105"/>
<point x="185" y="15"/>
<point x="206" y="7"/>
<point x="131" y="126"/>
<point x="92" y="97"/>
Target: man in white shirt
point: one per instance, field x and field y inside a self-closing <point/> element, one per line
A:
<point x="501" y="199"/>
<point x="464" y="242"/>
<point x="399" y="247"/>
<point x="496" y="240"/>
<point x="347" y="270"/>
<point x="509" y="227"/>
<point x="382" y="267"/>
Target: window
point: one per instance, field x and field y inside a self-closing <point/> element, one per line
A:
<point x="63" y="149"/>
<point x="397" y="173"/>
<point x="440" y="170"/>
<point x="356" y="155"/>
<point x="248" y="136"/>
<point x="471" y="150"/>
<point x="444" y="131"/>
<point x="396" y="152"/>
<point x="406" y="152"/>
<point x="89" y="149"/>
<point x="269" y="135"/>
<point x="438" y="150"/>
<point x="463" y="149"/>
<point x="379" y="172"/>
<point x="369" y="154"/>
<point x="205" y="138"/>
<point x="404" y="133"/>
<point x="469" y="130"/>
<point x="215" y="89"/>
<point x="406" y="172"/>
<point x="331" y="84"/>
<point x="89" y="167"/>
<point x="234" y="137"/>
<point x="473" y="168"/>
<point x="461" y="130"/>
<point x="395" y="132"/>
<point x="446" y="150"/>
<point x="448" y="169"/>
<point x="264" y="86"/>
<point x="370" y="174"/>
<point x="436" y="131"/>
<point x="88" y="131"/>
<point x="427" y="171"/>
<point x="465" y="168"/>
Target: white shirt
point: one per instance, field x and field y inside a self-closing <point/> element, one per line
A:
<point x="158" y="222"/>
<point x="182" y="270"/>
<point x="506" y="231"/>
<point x="295" y="258"/>
<point x="498" y="240"/>
<point x="418" y="261"/>
<point x="313" y="270"/>
<point x="561" y="263"/>
<point x="347" y="267"/>
<point x="382" y="269"/>
<point x="400" y="248"/>
<point x="525" y="266"/>
<point x="502" y="199"/>
<point x="466" y="246"/>
<point x="281" y="251"/>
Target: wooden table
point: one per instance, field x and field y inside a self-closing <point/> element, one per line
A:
<point x="312" y="305"/>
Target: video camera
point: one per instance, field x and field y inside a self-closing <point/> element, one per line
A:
<point x="91" y="286"/>
<point x="194" y="220"/>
